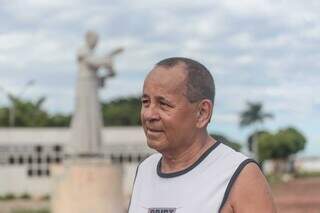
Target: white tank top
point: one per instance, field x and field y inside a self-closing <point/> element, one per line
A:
<point x="203" y="187"/>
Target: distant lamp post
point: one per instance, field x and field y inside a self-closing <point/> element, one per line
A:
<point x="11" y="97"/>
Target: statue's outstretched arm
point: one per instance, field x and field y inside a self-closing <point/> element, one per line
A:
<point x="93" y="61"/>
<point x="98" y="62"/>
<point x="116" y="51"/>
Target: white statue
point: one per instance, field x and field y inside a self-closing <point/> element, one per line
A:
<point x="87" y="120"/>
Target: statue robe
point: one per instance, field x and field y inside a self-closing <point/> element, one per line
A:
<point x="87" y="120"/>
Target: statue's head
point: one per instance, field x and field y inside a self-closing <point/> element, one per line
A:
<point x="91" y="39"/>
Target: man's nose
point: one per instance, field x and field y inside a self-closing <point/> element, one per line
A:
<point x="150" y="113"/>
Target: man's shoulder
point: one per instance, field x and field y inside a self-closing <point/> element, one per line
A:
<point x="246" y="173"/>
<point x="150" y="162"/>
<point x="257" y="196"/>
<point x="228" y="154"/>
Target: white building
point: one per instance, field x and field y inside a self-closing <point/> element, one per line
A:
<point x="308" y="164"/>
<point x="26" y="155"/>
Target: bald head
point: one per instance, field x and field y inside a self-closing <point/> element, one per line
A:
<point x="199" y="81"/>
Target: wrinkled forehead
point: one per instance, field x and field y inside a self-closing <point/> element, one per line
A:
<point x="173" y="78"/>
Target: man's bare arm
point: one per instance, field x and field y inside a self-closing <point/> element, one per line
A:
<point x="250" y="193"/>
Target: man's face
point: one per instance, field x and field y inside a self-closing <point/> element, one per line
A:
<point x="168" y="118"/>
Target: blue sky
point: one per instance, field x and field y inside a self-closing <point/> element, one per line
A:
<point x="264" y="51"/>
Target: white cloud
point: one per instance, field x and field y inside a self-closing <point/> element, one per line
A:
<point x="312" y="33"/>
<point x="278" y="41"/>
<point x="47" y="4"/>
<point x="13" y="40"/>
<point x="22" y="48"/>
<point x="248" y="7"/>
<point x="32" y="10"/>
<point x="241" y="40"/>
<point x="244" y="59"/>
<point x="121" y="88"/>
<point x="224" y="118"/>
<point x="259" y="50"/>
<point x="291" y="13"/>
<point x="193" y="44"/>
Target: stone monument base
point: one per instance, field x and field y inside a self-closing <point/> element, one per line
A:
<point x="87" y="185"/>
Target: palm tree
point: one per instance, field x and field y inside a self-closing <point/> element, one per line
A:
<point x="254" y="116"/>
<point x="28" y="113"/>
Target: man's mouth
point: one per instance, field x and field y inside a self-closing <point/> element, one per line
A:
<point x="154" y="130"/>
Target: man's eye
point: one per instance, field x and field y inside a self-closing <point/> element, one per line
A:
<point x="164" y="104"/>
<point x="144" y="102"/>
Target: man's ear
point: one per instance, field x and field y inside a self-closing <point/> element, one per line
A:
<point x="204" y="113"/>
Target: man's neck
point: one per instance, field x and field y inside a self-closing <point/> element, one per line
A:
<point x="175" y="162"/>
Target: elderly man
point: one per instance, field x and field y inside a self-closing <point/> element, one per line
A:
<point x="192" y="172"/>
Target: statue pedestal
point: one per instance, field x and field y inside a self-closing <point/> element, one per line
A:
<point x="86" y="186"/>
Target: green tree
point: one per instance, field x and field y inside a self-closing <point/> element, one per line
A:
<point x="287" y="142"/>
<point x="122" y="112"/>
<point x="4" y="116"/>
<point x="253" y="136"/>
<point x="267" y="145"/>
<point x="28" y="113"/>
<point x="59" y="120"/>
<point x="281" y="145"/>
<point x="253" y="115"/>
<point x="226" y="141"/>
<point x="118" y="112"/>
